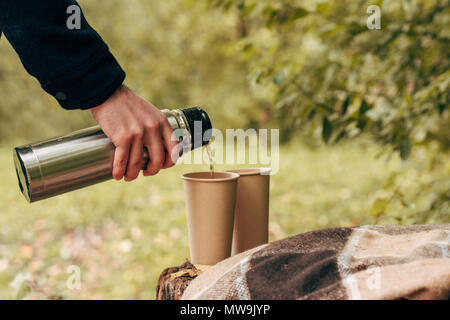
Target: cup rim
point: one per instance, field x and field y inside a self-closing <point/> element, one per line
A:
<point x="251" y="171"/>
<point x="230" y="176"/>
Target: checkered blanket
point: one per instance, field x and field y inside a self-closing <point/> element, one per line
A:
<point x="369" y="262"/>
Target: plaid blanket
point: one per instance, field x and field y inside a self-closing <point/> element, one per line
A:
<point x="369" y="262"/>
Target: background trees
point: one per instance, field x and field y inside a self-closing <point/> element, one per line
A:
<point x="331" y="71"/>
<point x="335" y="78"/>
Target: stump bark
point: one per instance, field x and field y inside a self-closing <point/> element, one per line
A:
<point x="173" y="281"/>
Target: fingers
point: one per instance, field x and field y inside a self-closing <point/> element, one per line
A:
<point x="153" y="142"/>
<point x="130" y="152"/>
<point x="170" y="144"/>
<point x="135" y="160"/>
<point x="120" y="161"/>
<point x="132" y="123"/>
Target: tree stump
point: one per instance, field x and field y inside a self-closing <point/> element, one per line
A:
<point x="173" y="281"/>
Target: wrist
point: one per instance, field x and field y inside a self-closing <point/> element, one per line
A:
<point x="119" y="92"/>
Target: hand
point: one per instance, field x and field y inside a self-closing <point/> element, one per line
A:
<point x="132" y="124"/>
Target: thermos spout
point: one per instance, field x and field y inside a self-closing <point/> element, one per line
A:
<point x="83" y="158"/>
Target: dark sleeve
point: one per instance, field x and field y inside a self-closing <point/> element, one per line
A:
<point x="75" y="66"/>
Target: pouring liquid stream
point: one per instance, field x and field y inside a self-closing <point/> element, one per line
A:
<point x="210" y="151"/>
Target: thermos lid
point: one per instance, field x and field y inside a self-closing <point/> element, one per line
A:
<point x="197" y="118"/>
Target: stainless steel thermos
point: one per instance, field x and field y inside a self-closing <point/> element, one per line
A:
<point x="83" y="158"/>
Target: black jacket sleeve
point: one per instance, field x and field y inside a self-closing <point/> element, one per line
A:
<point x="75" y="66"/>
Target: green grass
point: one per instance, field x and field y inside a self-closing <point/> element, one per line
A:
<point x="122" y="235"/>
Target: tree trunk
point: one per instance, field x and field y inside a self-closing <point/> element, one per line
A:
<point x="173" y="281"/>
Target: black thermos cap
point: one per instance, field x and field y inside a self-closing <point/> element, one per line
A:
<point x="202" y="137"/>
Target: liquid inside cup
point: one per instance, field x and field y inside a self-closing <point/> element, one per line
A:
<point x="211" y="177"/>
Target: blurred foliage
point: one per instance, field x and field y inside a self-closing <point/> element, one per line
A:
<point x="330" y="69"/>
<point x="336" y="79"/>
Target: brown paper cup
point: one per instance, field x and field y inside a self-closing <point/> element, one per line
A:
<point x="251" y="216"/>
<point x="210" y="203"/>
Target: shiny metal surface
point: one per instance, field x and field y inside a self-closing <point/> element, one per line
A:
<point x="49" y="168"/>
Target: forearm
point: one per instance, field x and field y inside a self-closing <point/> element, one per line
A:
<point x="75" y="66"/>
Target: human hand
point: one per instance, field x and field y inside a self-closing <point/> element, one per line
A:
<point x="132" y="124"/>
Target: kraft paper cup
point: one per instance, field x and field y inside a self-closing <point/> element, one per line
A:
<point x="251" y="216"/>
<point x="210" y="203"/>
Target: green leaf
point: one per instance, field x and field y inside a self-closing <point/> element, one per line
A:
<point x="379" y="206"/>
<point x="246" y="9"/>
<point x="340" y="136"/>
<point x="327" y="129"/>
<point x="272" y="16"/>
<point x="405" y="148"/>
<point x="312" y="114"/>
<point x="345" y="105"/>
<point x="323" y="8"/>
<point x="362" y="119"/>
<point x="299" y="13"/>
<point x="361" y="123"/>
<point x="363" y="108"/>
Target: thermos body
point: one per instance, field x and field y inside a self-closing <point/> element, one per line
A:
<point x="83" y="158"/>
